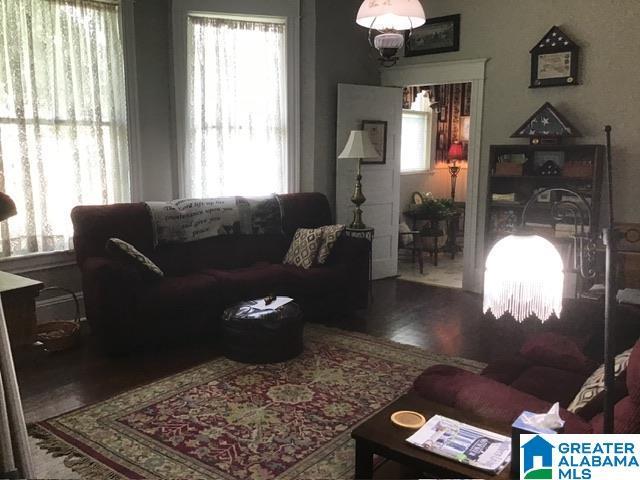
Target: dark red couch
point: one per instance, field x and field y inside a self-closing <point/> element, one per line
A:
<point x="203" y="278"/>
<point x="549" y="369"/>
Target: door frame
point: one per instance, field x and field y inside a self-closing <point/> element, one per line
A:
<point x="463" y="71"/>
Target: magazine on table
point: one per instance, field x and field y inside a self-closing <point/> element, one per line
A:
<point x="464" y="443"/>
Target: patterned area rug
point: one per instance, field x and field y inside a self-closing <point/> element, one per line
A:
<point x="226" y="420"/>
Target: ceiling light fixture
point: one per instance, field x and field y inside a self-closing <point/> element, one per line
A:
<point x="390" y="18"/>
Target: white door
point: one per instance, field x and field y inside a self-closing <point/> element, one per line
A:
<point x="380" y="183"/>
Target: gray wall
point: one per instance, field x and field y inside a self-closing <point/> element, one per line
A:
<point x="307" y="94"/>
<point x="343" y="55"/>
<point x="607" y="30"/>
<point x="155" y="80"/>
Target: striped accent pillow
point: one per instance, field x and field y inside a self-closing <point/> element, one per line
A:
<point x="130" y="254"/>
<point x="594" y="385"/>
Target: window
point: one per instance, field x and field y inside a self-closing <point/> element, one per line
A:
<point x="416" y="141"/>
<point x="63" y="120"/>
<point x="236" y="121"/>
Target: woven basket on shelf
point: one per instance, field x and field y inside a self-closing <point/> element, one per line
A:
<point x="60" y="334"/>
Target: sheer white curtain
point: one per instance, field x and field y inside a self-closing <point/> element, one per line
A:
<point x="63" y="121"/>
<point x="236" y="124"/>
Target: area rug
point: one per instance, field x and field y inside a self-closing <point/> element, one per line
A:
<point x="227" y="420"/>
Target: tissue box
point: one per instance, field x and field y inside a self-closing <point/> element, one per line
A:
<point x="518" y="427"/>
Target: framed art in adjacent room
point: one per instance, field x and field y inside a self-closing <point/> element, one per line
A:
<point x="554" y="61"/>
<point x="437" y="35"/>
<point x="377" y="130"/>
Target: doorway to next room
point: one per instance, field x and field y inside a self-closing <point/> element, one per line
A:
<point x="433" y="183"/>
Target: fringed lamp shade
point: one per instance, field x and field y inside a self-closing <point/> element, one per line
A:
<point x="524" y="276"/>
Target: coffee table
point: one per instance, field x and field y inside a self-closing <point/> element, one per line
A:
<point x="378" y="436"/>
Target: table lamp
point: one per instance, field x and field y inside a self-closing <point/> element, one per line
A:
<point x="12" y="424"/>
<point x="524" y="273"/>
<point x="358" y="146"/>
<point x="455" y="154"/>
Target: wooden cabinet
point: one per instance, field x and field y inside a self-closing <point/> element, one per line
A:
<point x="518" y="171"/>
<point x="19" y="302"/>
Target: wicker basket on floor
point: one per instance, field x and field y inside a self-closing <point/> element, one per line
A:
<point x="60" y="335"/>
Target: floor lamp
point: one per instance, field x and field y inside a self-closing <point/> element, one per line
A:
<point x="455" y="155"/>
<point x="358" y="146"/>
<point x="15" y="458"/>
<point x="524" y="273"/>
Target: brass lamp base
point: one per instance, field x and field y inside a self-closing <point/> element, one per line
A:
<point x="454" y="171"/>
<point x="357" y="223"/>
<point x="358" y="199"/>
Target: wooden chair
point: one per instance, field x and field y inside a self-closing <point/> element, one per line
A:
<point x="416" y="248"/>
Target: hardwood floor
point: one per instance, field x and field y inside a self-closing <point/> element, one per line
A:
<point x="444" y="321"/>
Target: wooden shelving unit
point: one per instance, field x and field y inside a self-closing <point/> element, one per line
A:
<point x="503" y="216"/>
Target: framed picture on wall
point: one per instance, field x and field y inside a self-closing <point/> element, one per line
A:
<point x="377" y="130"/>
<point x="437" y="35"/>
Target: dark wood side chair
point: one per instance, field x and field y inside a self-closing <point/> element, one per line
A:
<point x="416" y="247"/>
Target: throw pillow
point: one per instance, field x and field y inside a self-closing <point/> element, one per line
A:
<point x="557" y="351"/>
<point x="330" y="235"/>
<point x="128" y="253"/>
<point x="303" y="251"/>
<point x="594" y="385"/>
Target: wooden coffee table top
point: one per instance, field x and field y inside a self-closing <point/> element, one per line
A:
<point x="389" y="441"/>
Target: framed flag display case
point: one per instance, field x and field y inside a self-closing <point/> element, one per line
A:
<point x="554" y="61"/>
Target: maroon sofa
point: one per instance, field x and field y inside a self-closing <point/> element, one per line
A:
<point x="550" y="368"/>
<point x="203" y="278"/>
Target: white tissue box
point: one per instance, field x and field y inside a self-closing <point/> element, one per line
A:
<point x="525" y="427"/>
<point x="521" y="426"/>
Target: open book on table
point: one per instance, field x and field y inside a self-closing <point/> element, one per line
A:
<point x="464" y="443"/>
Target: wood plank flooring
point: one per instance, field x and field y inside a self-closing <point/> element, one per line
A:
<point x="441" y="320"/>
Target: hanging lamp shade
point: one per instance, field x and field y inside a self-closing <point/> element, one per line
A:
<point x="524" y="276"/>
<point x="391" y="15"/>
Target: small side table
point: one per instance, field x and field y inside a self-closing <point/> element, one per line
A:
<point x="366" y="233"/>
<point x="19" y="302"/>
<point x="453" y="225"/>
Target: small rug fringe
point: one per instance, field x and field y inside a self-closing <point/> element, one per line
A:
<point x="75" y="460"/>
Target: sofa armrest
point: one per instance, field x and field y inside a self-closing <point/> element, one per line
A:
<point x="354" y="254"/>
<point x="110" y="290"/>
<point x="486" y="397"/>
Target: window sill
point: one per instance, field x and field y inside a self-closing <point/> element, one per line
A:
<point x="37" y="261"/>
<point x="417" y="172"/>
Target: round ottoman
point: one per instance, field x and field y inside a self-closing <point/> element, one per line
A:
<point x="262" y="336"/>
